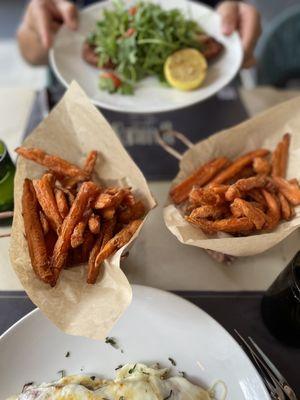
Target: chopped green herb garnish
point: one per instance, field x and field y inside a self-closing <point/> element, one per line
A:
<point x="67" y="354"/>
<point x="122" y="398"/>
<point x="107" y="85"/>
<point x="118" y="367"/>
<point x="92" y="377"/>
<point x="62" y="373"/>
<point x="131" y="370"/>
<point x="112" y="341"/>
<point x="173" y="362"/>
<point x="26" y="385"/>
<point x="182" y="374"/>
<point x="146" y="373"/>
<point x="169" y="395"/>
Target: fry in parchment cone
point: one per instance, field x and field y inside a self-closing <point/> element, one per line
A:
<point x="70" y="220"/>
<point x="241" y="197"/>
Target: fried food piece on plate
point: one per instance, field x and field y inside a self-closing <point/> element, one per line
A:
<point x="238" y="165"/>
<point x="87" y="245"/>
<point x="276" y="165"/>
<point x="45" y="194"/>
<point x="44" y="222"/>
<point x="70" y="196"/>
<point x="257" y="196"/>
<point x="91" y="56"/>
<point x="200" y="177"/>
<point x="118" y="241"/>
<point x="211" y="47"/>
<point x="108" y="213"/>
<point x="236" y="210"/>
<point x="87" y="192"/>
<point x="229" y="225"/>
<point x="208" y="211"/>
<point x="94" y="223"/>
<point x="284" y="154"/>
<point x="62" y="202"/>
<point x="77" y="237"/>
<point x="218" y="188"/>
<point x="129" y="199"/>
<point x="90" y="162"/>
<point x="206" y="196"/>
<point x="270" y="186"/>
<point x="286" y="208"/>
<point x="280" y="157"/>
<point x="261" y="166"/>
<point x="89" y="165"/>
<point x="54" y="163"/>
<point x="244" y="173"/>
<point x="257" y="205"/>
<point x="50" y="240"/>
<point x="105" y="235"/>
<point x="80" y="254"/>
<point x="131" y="212"/>
<point x="111" y="197"/>
<point x="34" y="234"/>
<point x="242" y="186"/>
<point x="242" y="208"/>
<point x="273" y="212"/>
<point x="294" y="182"/>
<point x="290" y="191"/>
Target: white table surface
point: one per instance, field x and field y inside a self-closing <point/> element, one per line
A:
<point x="157" y="258"/>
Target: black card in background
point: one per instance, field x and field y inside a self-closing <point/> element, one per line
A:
<point x="137" y="131"/>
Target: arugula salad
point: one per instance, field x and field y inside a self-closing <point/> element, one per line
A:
<point x="133" y="43"/>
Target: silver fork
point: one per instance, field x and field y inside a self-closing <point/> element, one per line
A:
<point x="273" y="379"/>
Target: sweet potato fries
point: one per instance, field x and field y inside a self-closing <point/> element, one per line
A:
<point x="241" y="197"/>
<point x="70" y="220"/>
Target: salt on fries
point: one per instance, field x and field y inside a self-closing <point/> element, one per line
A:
<point x="70" y="220"/>
<point x="242" y="197"/>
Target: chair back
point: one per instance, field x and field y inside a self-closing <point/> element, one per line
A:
<point x="279" y="50"/>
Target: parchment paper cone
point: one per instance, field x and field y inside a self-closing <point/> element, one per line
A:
<point x="71" y="130"/>
<point x="264" y="130"/>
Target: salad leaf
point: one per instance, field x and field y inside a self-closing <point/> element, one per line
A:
<point x="139" y="40"/>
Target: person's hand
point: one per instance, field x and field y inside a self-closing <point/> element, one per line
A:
<point x="41" y="21"/>
<point x="245" y="19"/>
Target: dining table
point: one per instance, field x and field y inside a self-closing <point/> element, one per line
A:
<point x="232" y="293"/>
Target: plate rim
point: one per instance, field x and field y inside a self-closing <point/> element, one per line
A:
<point x="111" y="107"/>
<point x="170" y="295"/>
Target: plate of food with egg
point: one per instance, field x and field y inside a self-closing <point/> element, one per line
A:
<point x="162" y="348"/>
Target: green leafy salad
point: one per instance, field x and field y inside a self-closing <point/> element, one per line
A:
<point x="136" y="42"/>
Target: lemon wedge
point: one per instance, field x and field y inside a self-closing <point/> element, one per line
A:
<point x="185" y="69"/>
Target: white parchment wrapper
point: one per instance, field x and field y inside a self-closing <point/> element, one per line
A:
<point x="264" y="130"/>
<point x="71" y="130"/>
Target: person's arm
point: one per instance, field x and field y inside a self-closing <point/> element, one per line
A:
<point x="40" y="23"/>
<point x="43" y="18"/>
<point x="243" y="17"/>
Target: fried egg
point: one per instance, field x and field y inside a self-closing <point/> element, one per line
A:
<point x="132" y="382"/>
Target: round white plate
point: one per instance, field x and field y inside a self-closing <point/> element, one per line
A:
<point x="150" y="96"/>
<point x="157" y="325"/>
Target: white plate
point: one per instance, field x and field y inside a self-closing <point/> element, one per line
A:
<point x="149" y="96"/>
<point x="157" y="325"/>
